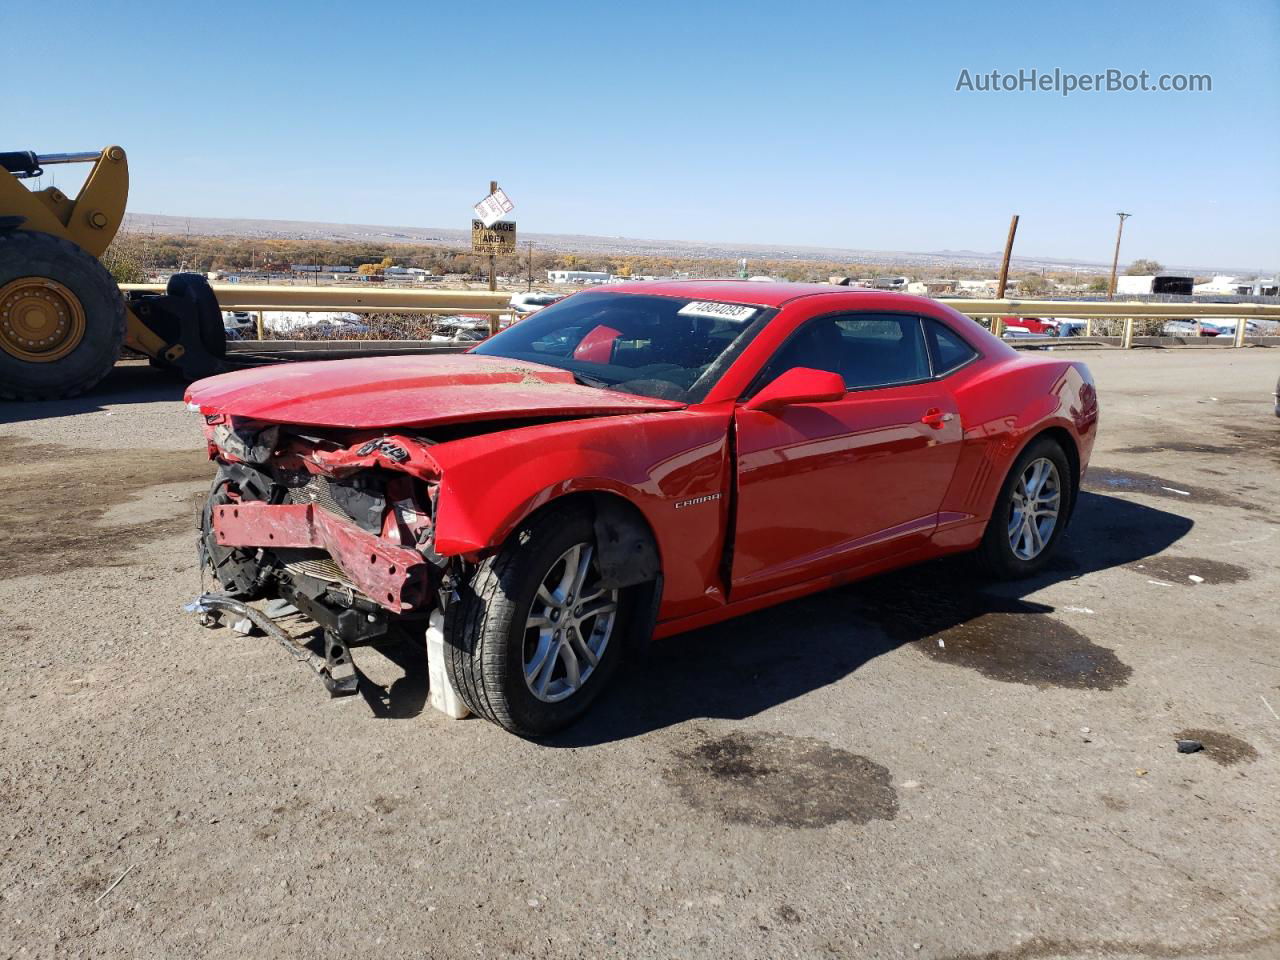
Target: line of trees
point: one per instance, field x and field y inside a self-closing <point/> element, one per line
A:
<point x="133" y="256"/>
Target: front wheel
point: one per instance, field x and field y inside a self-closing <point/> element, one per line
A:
<point x="536" y="636"/>
<point x="1031" y="512"/>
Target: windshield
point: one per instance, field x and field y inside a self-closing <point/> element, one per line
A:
<point x="670" y="348"/>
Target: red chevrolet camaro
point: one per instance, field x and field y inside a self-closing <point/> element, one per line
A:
<point x="634" y="461"/>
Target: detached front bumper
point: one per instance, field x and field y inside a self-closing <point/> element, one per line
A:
<point x="395" y="577"/>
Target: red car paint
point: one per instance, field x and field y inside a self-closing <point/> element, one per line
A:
<point x="748" y="507"/>
<point x="1031" y="325"/>
<point x="395" y="576"/>
<point x="412" y="391"/>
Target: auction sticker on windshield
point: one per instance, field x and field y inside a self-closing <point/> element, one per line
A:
<point x="734" y="312"/>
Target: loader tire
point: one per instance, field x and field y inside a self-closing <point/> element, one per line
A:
<point x="194" y="287"/>
<point x="62" y="317"/>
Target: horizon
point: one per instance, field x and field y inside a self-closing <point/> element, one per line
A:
<point x="732" y="247"/>
<point x="796" y="130"/>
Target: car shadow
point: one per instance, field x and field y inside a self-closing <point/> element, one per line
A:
<point x="747" y="665"/>
<point x="129" y="382"/>
<point x="406" y="696"/>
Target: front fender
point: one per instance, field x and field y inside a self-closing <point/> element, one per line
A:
<point x="489" y="484"/>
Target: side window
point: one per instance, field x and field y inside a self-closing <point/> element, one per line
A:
<point x="948" y="350"/>
<point x="867" y="349"/>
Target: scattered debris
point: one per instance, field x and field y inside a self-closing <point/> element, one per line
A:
<point x="1076" y="610"/>
<point x="1141" y="772"/>
<point x="1195" y="579"/>
<point x="1084" y="730"/>
<point x="942" y="643"/>
<point x="1181" y="493"/>
<point x="244" y="626"/>
<point x="1159" y="583"/>
<point x="1190" y="746"/>
<point x="1269" y="706"/>
<point x="115" y="883"/>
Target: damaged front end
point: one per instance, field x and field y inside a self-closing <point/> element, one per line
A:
<point x="339" y="524"/>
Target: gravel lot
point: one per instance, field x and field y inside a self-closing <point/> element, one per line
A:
<point x="917" y="766"/>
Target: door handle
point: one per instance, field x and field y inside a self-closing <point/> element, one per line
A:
<point x="936" y="418"/>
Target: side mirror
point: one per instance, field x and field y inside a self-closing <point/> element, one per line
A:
<point x="799" y="385"/>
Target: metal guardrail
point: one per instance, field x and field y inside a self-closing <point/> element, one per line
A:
<point x="1117" y="310"/>
<point x="252" y="298"/>
<point x="1086" y="310"/>
<point x="259" y="299"/>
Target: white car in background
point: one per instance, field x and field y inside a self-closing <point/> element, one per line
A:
<point x="239" y="324"/>
<point x="460" y="329"/>
<point x="523" y="304"/>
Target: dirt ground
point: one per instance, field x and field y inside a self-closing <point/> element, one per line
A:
<point x="917" y="766"/>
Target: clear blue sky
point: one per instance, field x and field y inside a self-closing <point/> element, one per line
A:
<point x="825" y="124"/>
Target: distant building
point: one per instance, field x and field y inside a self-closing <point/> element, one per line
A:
<point x="889" y="283"/>
<point x="1233" y="286"/>
<point x="1155" y="283"/>
<point x="577" y="276"/>
<point x="317" y="268"/>
<point x="976" y="288"/>
<point x="932" y="288"/>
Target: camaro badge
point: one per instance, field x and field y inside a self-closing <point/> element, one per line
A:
<point x="681" y="504"/>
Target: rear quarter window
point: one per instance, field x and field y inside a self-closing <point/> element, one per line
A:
<point x="947" y="349"/>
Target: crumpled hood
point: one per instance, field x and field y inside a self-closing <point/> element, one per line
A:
<point x="410" y="391"/>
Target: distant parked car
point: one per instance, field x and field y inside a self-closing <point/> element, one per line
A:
<point x="523" y="304"/>
<point x="239" y="324"/>
<point x="1180" y="328"/>
<point x="1226" y="328"/>
<point x="460" y="329"/>
<point x="1015" y="327"/>
<point x="1027" y="326"/>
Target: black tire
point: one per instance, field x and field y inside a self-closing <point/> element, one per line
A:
<point x="485" y="629"/>
<point x="196" y="289"/>
<point x="996" y="552"/>
<point x="25" y="253"/>
<point x="238" y="570"/>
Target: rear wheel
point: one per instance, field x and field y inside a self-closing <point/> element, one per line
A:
<point x="62" y="318"/>
<point x="1030" y="513"/>
<point x="535" y="637"/>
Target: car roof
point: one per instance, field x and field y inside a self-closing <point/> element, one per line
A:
<point x="757" y="293"/>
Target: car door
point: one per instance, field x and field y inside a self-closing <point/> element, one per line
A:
<point x="823" y="487"/>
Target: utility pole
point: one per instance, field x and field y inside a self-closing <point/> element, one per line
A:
<point x="1008" y="252"/>
<point x="493" y="258"/>
<point x="1115" y="261"/>
<point x="530" y="287"/>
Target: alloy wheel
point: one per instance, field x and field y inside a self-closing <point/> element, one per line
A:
<point x="1037" y="497"/>
<point x="569" y="625"/>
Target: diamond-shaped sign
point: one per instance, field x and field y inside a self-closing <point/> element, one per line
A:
<point x="494" y="207"/>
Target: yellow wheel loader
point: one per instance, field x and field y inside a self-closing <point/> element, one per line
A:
<point x="63" y="319"/>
